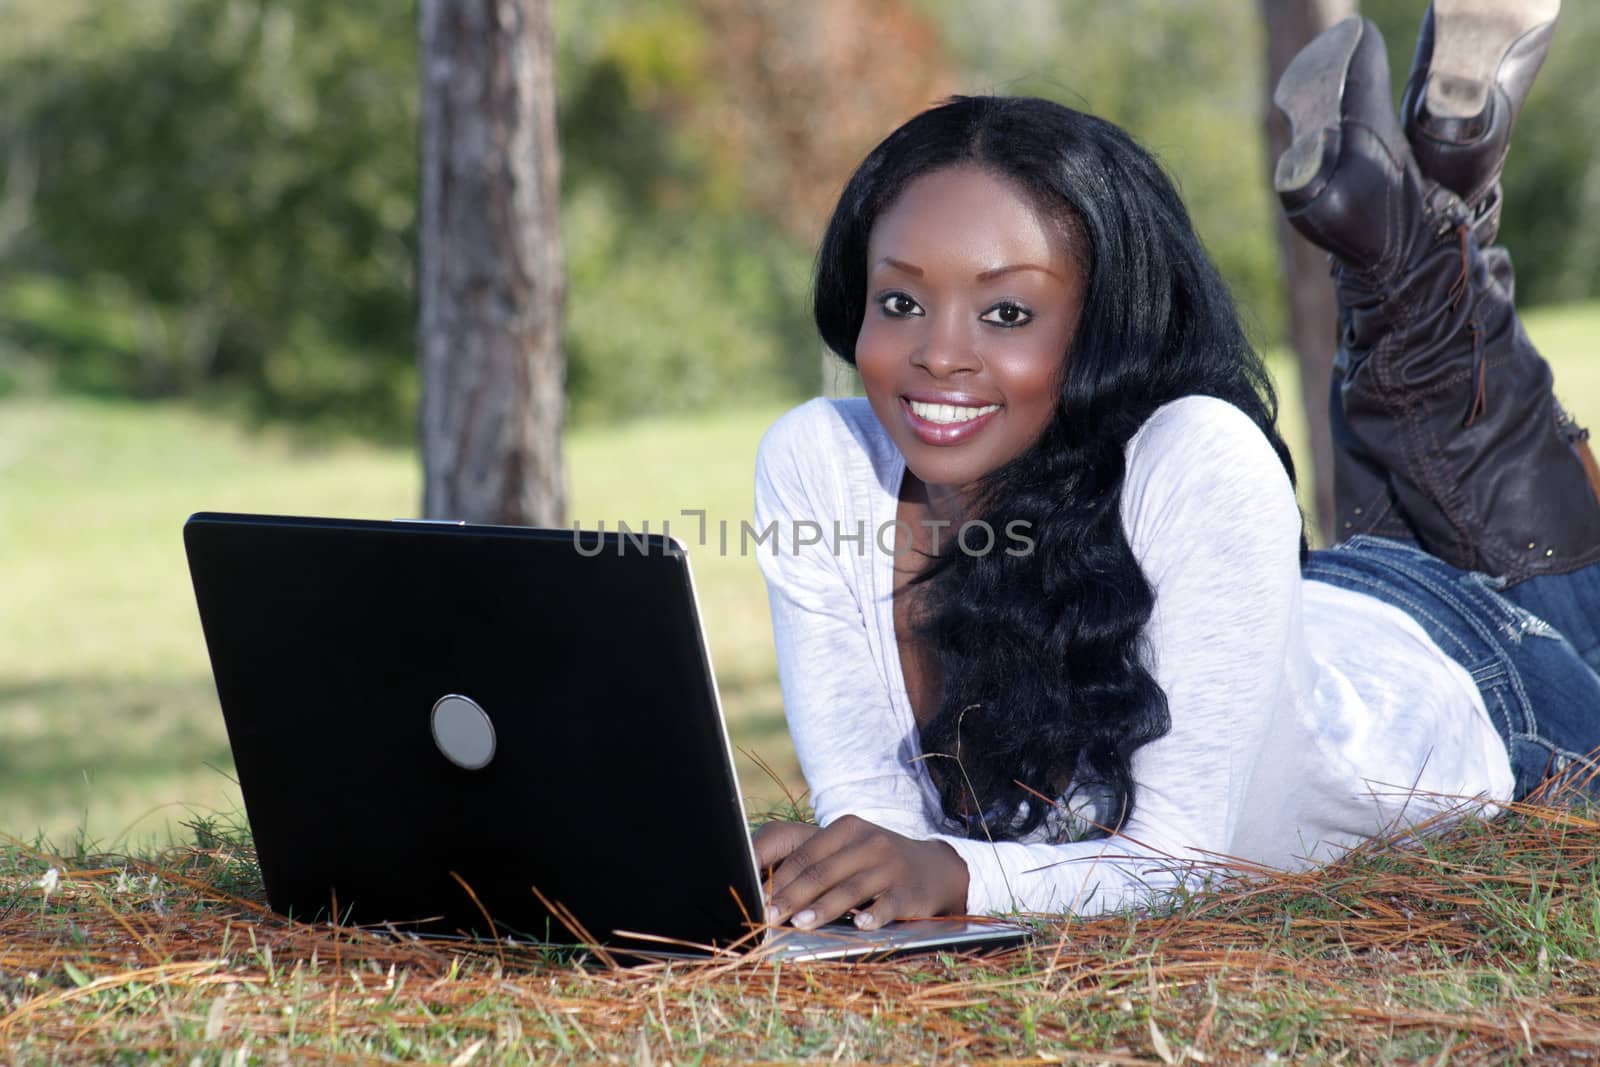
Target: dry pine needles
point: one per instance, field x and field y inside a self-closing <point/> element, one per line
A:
<point x="1476" y="944"/>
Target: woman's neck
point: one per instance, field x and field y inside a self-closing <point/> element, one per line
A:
<point x="944" y="503"/>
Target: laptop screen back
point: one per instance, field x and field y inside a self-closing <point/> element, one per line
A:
<point x="605" y="778"/>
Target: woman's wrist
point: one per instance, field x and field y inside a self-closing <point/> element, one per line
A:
<point x="955" y="879"/>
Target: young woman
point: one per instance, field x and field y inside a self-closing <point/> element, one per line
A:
<point x="1048" y="634"/>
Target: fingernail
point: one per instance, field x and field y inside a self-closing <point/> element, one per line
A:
<point x="806" y="919"/>
<point x="864" y="920"/>
<point x="772" y="914"/>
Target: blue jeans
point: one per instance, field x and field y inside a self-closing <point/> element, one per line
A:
<point x="1533" y="649"/>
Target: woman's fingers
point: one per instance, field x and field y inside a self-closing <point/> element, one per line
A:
<point x="802" y="859"/>
<point x="774" y="841"/>
<point x="844" y="865"/>
<point x="838" y="899"/>
<point x="792" y="852"/>
<point x="819" y="874"/>
<point x="896" y="902"/>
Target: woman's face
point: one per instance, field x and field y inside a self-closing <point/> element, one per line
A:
<point x="972" y="300"/>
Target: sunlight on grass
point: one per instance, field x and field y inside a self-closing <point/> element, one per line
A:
<point x="107" y="709"/>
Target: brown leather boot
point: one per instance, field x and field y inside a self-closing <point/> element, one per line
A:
<point x="1474" y="64"/>
<point x="1439" y="387"/>
<point x="1363" y="500"/>
<point x="1578" y="438"/>
<point x="1347" y="176"/>
<point x="1344" y="74"/>
<point x="1498" y="261"/>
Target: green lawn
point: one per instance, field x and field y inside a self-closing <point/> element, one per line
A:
<point x="108" y="719"/>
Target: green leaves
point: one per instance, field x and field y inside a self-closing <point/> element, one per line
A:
<point x="242" y="178"/>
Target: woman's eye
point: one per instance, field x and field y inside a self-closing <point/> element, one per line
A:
<point x="899" y="305"/>
<point x="1007" y="314"/>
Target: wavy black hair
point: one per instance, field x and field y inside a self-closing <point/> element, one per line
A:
<point x="1045" y="685"/>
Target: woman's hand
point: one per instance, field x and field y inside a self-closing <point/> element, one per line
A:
<point x="819" y="874"/>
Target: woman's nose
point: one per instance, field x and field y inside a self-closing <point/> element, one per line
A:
<point x="948" y="347"/>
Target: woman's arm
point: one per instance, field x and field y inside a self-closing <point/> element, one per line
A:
<point x="852" y="741"/>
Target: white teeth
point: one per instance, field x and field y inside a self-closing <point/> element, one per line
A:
<point x="949" y="414"/>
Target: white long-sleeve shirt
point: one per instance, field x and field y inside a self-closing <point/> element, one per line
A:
<point x="1306" y="718"/>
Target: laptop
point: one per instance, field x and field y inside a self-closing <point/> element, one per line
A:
<point x="492" y="732"/>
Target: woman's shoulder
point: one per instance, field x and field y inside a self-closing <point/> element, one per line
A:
<point x="1195" y="418"/>
<point x="824" y="466"/>
<point x="1197" y="432"/>
<point x="1202" y="450"/>
<point x="828" y="416"/>
<point x="826" y="433"/>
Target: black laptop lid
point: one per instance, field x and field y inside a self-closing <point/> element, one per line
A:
<point x="610" y="787"/>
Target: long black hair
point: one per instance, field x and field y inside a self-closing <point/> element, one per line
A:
<point x="1045" y="684"/>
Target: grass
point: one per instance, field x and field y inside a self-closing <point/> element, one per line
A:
<point x="1476" y="945"/>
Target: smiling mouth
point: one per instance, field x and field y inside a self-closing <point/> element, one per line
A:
<point x="949" y="414"/>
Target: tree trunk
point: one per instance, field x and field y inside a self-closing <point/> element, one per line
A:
<point x="1313" y="318"/>
<point x="490" y="272"/>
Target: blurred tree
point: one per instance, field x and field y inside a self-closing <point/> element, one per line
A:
<point x="1313" y="316"/>
<point x="229" y="186"/>
<point x="491" y="272"/>
<point x="679" y="296"/>
<point x="810" y="88"/>
<point x="806" y="90"/>
<point x="16" y="196"/>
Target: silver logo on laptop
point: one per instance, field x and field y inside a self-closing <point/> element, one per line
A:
<point x="463" y="731"/>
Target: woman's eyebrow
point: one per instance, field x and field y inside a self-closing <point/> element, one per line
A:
<point x="987" y="275"/>
<point x="890" y="261"/>
<point x="982" y="276"/>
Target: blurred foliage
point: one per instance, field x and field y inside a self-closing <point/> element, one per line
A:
<point x="216" y="198"/>
<point x="703" y="145"/>
<point x="224" y="200"/>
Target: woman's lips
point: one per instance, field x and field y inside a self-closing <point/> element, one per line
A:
<point x="947" y="433"/>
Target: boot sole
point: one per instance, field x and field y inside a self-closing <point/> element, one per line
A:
<point x="1471" y="37"/>
<point x="1311" y="95"/>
